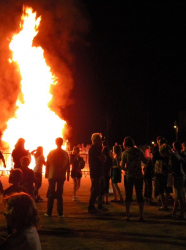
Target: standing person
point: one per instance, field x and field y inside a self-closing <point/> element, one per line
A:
<point x="96" y="160"/>
<point x="18" y="152"/>
<point x="77" y="163"/>
<point x="131" y="164"/>
<point x="176" y="163"/>
<point x="107" y="171"/>
<point x="116" y="174"/>
<point x="39" y="162"/>
<point x="148" y="171"/>
<point x="21" y="214"/>
<point x="56" y="168"/>
<point x="161" y="176"/>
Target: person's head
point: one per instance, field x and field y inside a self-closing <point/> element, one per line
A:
<point x="76" y="150"/>
<point x="128" y="142"/>
<point x="20" y="143"/>
<point x="39" y="150"/>
<point x="25" y="162"/>
<point x="96" y="139"/>
<point x="21" y="211"/>
<point x="117" y="150"/>
<point x="16" y="176"/>
<point x="158" y="138"/>
<point x="184" y="146"/>
<point x="59" y="142"/>
<point x="176" y="146"/>
<point x="165" y="150"/>
<point x="162" y="141"/>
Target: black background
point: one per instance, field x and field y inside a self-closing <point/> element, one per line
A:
<point x="130" y="78"/>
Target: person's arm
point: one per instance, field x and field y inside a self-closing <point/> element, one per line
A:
<point x="47" y="167"/>
<point x="123" y="162"/>
<point x="33" y="151"/>
<point x="71" y="159"/>
<point x="3" y="159"/>
<point x="102" y="157"/>
<point x="143" y="158"/>
<point x="68" y="168"/>
<point x="44" y="162"/>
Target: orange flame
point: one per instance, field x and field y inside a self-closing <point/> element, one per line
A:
<point x="34" y="121"/>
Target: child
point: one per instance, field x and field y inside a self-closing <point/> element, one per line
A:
<point x="116" y="174"/>
<point x="77" y="163"/>
<point x="28" y="176"/>
<point x="22" y="215"/>
<point x="15" y="177"/>
<point x="39" y="162"/>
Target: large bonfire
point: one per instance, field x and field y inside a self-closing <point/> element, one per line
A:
<point x="33" y="121"/>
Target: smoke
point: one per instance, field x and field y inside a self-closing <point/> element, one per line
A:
<point x="62" y="25"/>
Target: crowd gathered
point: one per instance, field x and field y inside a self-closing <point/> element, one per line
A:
<point x="159" y="172"/>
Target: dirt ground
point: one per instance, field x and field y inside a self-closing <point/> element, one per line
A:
<point x="80" y="230"/>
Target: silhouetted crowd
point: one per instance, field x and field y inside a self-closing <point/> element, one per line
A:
<point x="158" y="173"/>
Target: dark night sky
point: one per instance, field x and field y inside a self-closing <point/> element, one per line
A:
<point x="133" y="70"/>
<point x="135" y="67"/>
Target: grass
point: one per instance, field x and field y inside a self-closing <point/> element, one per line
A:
<point x="79" y="230"/>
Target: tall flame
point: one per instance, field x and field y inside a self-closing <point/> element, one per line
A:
<point x="34" y="121"/>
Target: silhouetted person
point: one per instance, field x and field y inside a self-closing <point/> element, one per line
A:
<point x="28" y="176"/>
<point x="78" y="164"/>
<point x="39" y="162"/>
<point x="56" y="168"/>
<point x="161" y="176"/>
<point x="96" y="160"/>
<point x="18" y="152"/>
<point x="22" y="215"/>
<point x="131" y="164"/>
<point x="176" y="168"/>
<point x="116" y="174"/>
<point x="15" y="177"/>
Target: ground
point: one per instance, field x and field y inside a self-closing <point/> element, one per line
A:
<point x="80" y="230"/>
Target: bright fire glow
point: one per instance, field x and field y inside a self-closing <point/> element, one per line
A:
<point x="34" y="121"/>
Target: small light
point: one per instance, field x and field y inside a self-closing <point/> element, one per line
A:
<point x="152" y="142"/>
